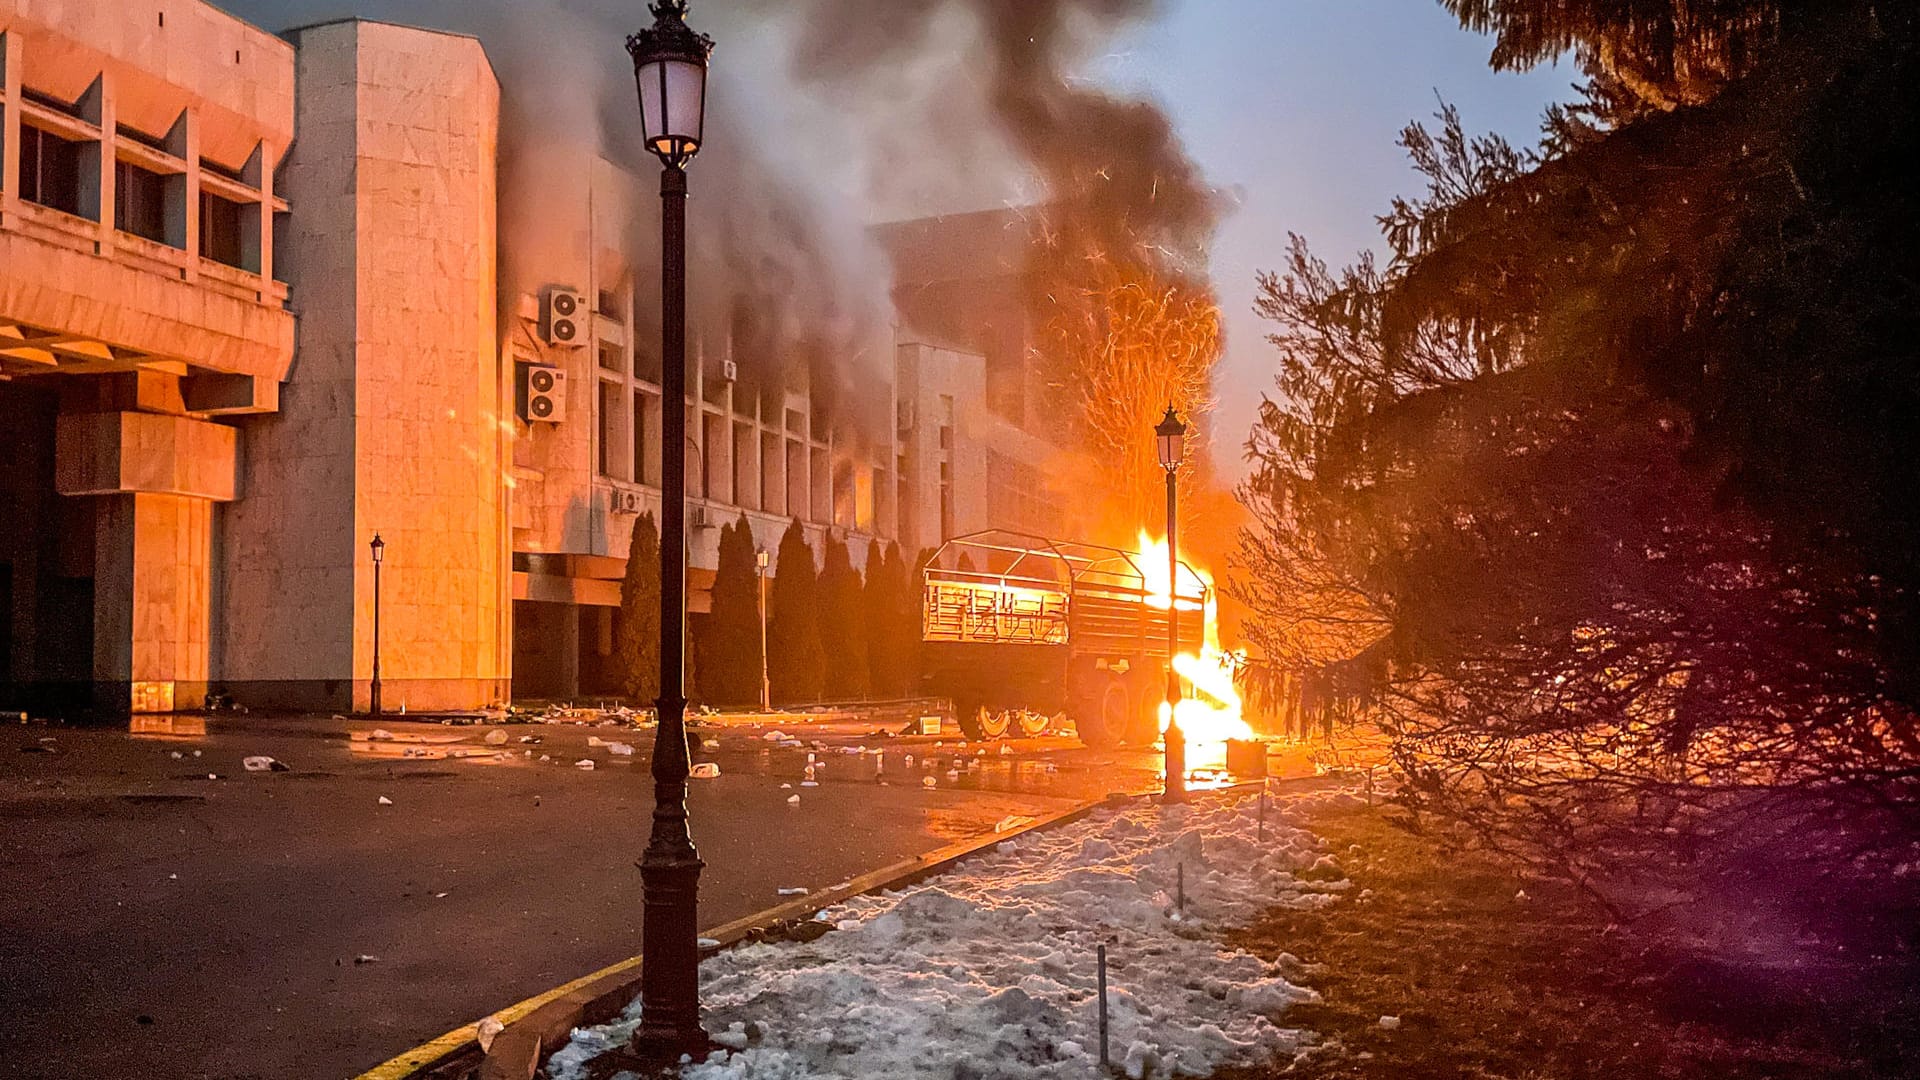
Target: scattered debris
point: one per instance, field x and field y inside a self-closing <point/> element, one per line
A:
<point x="213" y="776"/>
<point x="1391" y="1023"/>
<point x="620" y="748"/>
<point x="263" y="763"/>
<point x="795" y="891"/>
<point x="707" y="943"/>
<point x="376" y="735"/>
<point x="584" y="763"/>
<point x="595" y="740"/>
<point x="439" y="896"/>
<point x="176" y="755"/>
<point x="384" y="801"/>
<point x="496" y="737"/>
<point x="710" y="744"/>
<point x="929" y="781"/>
<point x="1012" y="822"/>
<point x="809" y="783"/>
<point x="486" y="1031"/>
<point x="706" y="770"/>
<point x="363" y="959"/>
<point x="530" y="738"/>
<point x="793" y="800"/>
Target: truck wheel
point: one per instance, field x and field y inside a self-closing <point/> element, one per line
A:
<point x="1145" y="728"/>
<point x="983" y="723"/>
<point x="1105" y="724"/>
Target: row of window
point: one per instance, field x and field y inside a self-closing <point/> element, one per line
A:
<point x="54" y="173"/>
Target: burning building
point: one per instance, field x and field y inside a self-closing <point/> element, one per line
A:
<point x="263" y="296"/>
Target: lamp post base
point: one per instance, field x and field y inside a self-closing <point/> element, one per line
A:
<point x="1174" y="788"/>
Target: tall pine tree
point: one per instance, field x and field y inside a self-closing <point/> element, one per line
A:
<point x="636" y="641"/>
<point x="730" y="673"/>
<point x="796" y="662"/>
<point x="884" y="602"/>
<point x="843" y="631"/>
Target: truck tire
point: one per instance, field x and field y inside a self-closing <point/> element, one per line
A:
<point x="1103" y="724"/>
<point x="1144" y="730"/>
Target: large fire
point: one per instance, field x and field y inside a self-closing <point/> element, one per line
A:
<point x="1210" y="713"/>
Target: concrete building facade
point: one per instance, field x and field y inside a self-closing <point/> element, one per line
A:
<point x="252" y="314"/>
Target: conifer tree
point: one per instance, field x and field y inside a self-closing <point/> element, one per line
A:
<point x="843" y="631"/>
<point x="636" y="643"/>
<point x="883" y="611"/>
<point x="796" y="663"/>
<point x="730" y="673"/>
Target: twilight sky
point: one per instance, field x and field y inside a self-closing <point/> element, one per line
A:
<point x="1295" y="104"/>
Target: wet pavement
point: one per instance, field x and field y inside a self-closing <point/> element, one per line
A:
<point x="168" y="913"/>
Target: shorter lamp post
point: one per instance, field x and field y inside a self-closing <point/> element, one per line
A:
<point x="766" y="685"/>
<point x="379" y="549"/>
<point x="1168" y="436"/>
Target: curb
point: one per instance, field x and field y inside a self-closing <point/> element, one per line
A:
<point x="542" y="1023"/>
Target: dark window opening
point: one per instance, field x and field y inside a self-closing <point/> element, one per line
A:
<point x="214" y="167"/>
<point x="609" y="425"/>
<point x="610" y="357"/>
<point x="140" y="202"/>
<point x="50" y="170"/>
<point x="641" y="473"/>
<point x="154" y="142"/>
<point x="220" y="230"/>
<point x="46" y="100"/>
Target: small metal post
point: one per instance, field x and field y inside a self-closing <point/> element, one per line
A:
<point x="1101" y="952"/>
<point x="1262" y="834"/>
<point x="1180" y="887"/>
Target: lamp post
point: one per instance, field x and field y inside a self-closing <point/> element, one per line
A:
<point x="766" y="685"/>
<point x="670" y="68"/>
<point x="1168" y="435"/>
<point x="379" y="549"/>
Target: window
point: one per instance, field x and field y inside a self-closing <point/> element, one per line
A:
<point x="610" y="358"/>
<point x="220" y="230"/>
<point x="612" y="431"/>
<point x="49" y="170"/>
<point x="643" y="470"/>
<point x="607" y="303"/>
<point x="140" y="202"/>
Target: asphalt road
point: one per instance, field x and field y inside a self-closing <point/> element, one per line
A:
<point x="157" y="923"/>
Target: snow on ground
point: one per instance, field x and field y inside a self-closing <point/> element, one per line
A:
<point x="988" y="971"/>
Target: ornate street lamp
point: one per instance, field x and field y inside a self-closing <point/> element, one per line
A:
<point x="379" y="549"/>
<point x="1168" y="436"/>
<point x="670" y="65"/>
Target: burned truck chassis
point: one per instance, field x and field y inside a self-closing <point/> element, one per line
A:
<point x="1016" y="626"/>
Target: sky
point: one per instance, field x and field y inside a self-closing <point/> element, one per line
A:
<point x="1295" y="106"/>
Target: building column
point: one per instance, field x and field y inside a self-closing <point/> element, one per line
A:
<point x="156" y="478"/>
<point x="152" y="602"/>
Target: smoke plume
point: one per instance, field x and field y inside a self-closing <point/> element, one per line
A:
<point x="824" y="117"/>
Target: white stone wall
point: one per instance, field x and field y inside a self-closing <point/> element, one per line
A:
<point x="395" y="418"/>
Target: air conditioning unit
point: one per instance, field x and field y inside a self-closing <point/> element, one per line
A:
<point x="729" y="370"/>
<point x="543" y="394"/>
<point x="623" y="501"/>
<point x="563" y="317"/>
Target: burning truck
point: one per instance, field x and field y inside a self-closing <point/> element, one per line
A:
<point x="1018" y="629"/>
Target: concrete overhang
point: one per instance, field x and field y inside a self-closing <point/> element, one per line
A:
<point x="78" y="312"/>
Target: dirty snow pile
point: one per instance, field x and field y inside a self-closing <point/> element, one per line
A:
<point x="988" y="970"/>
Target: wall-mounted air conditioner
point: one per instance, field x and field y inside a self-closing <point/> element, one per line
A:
<point x="563" y="315"/>
<point x="543" y="394"/>
<point x="623" y="501"/>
